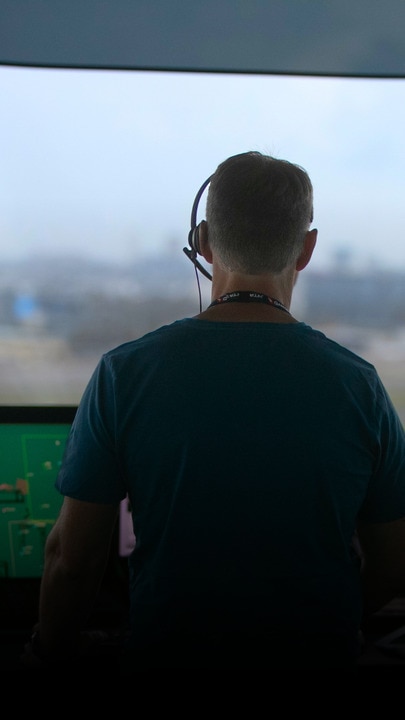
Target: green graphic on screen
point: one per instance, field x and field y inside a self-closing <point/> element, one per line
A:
<point x="30" y="459"/>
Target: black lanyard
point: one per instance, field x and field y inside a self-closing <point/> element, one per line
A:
<point x="245" y="296"/>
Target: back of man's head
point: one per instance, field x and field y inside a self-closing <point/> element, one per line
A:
<point x="258" y="211"/>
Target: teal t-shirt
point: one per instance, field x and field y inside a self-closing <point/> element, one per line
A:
<point x="249" y="451"/>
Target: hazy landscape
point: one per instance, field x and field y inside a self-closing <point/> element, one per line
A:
<point x="57" y="318"/>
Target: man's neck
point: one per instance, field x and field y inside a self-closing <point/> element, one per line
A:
<point x="278" y="287"/>
<point x="249" y="300"/>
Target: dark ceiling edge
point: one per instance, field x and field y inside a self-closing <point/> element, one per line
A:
<point x="208" y="71"/>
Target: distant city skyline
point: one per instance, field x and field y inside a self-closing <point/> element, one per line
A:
<point x="106" y="164"/>
<point x="57" y="318"/>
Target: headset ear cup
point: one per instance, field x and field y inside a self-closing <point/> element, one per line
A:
<point x="194" y="240"/>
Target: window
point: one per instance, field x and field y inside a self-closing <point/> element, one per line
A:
<point x="98" y="175"/>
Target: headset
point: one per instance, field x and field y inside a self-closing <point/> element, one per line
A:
<point x="193" y="239"/>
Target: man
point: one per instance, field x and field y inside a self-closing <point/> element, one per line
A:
<point x="264" y="463"/>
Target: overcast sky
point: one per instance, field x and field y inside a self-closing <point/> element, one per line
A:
<point x="107" y="163"/>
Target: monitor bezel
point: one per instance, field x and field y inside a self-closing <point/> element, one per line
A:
<point x="24" y="414"/>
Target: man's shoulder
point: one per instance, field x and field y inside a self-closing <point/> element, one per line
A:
<point x="153" y="337"/>
<point x="337" y="349"/>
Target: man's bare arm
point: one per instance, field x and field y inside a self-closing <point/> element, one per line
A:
<point x="383" y="573"/>
<point x="76" y="554"/>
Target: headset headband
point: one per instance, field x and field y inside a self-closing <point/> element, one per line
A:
<point x="193" y="221"/>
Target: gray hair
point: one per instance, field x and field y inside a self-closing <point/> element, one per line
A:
<point x="258" y="211"/>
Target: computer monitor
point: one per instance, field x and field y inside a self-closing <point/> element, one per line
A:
<point x="32" y="442"/>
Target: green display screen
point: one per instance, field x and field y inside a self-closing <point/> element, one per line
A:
<point x="32" y="443"/>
